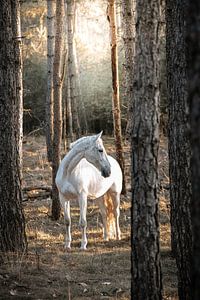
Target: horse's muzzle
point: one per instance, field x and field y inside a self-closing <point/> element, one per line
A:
<point x="105" y="172"/>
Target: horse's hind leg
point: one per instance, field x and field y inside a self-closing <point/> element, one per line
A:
<point x="116" y="210"/>
<point x="103" y="210"/>
<point x="67" y="219"/>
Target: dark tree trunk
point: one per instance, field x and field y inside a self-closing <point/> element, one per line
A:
<point x="12" y="223"/>
<point x="146" y="269"/>
<point x="111" y="15"/>
<point x="179" y="144"/>
<point x="18" y="74"/>
<point x="194" y="101"/>
<point x="128" y="28"/>
<point x="49" y="96"/>
<point x="57" y="87"/>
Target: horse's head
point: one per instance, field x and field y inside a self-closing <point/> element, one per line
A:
<point x="96" y="155"/>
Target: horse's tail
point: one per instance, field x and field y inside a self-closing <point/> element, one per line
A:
<point x="108" y="202"/>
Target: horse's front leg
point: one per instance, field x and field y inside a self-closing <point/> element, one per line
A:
<point x="83" y="220"/>
<point x="67" y="220"/>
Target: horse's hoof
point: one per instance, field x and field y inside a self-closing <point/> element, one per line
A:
<point x="67" y="248"/>
<point x="83" y="248"/>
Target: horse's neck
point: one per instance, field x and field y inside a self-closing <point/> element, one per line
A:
<point x="71" y="160"/>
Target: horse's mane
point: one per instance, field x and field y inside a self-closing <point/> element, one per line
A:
<point x="75" y="143"/>
<point x="84" y="139"/>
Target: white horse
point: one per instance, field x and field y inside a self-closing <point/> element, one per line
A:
<point x="88" y="172"/>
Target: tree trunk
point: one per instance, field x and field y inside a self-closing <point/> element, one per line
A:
<point x="71" y="66"/>
<point x="65" y="83"/>
<point x="193" y="35"/>
<point x="128" y="28"/>
<point x="146" y="269"/>
<point x="80" y="101"/>
<point x="179" y="145"/>
<point x="12" y="223"/>
<point x="64" y="130"/>
<point x="49" y="96"/>
<point x="57" y="95"/>
<point x="69" y="113"/>
<point x="19" y="83"/>
<point x="111" y="15"/>
<point x="67" y="100"/>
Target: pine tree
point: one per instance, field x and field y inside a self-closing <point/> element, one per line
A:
<point x="57" y="96"/>
<point x="12" y="223"/>
<point x="179" y="143"/>
<point x="111" y="15"/>
<point x="49" y="96"/>
<point x="146" y="269"/>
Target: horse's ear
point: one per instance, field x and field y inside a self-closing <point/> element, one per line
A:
<point x="71" y="145"/>
<point x="98" y="136"/>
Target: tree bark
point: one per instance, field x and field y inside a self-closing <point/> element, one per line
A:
<point x="193" y="38"/>
<point x="57" y="88"/>
<point x="80" y="100"/>
<point x="65" y="83"/>
<point x="146" y="269"/>
<point x="111" y="15"/>
<point x="71" y="67"/>
<point x="69" y="114"/>
<point x="12" y="223"/>
<point x="128" y="28"/>
<point x="49" y="96"/>
<point x="19" y="84"/>
<point x="179" y="144"/>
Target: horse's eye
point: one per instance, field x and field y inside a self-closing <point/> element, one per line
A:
<point x="100" y="150"/>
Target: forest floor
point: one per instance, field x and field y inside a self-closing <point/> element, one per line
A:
<point x="47" y="271"/>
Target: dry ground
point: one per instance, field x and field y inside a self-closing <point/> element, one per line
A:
<point x="47" y="271"/>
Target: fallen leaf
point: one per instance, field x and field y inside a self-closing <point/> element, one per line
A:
<point x="13" y="292"/>
<point x="83" y="284"/>
<point x="106" y="283"/>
